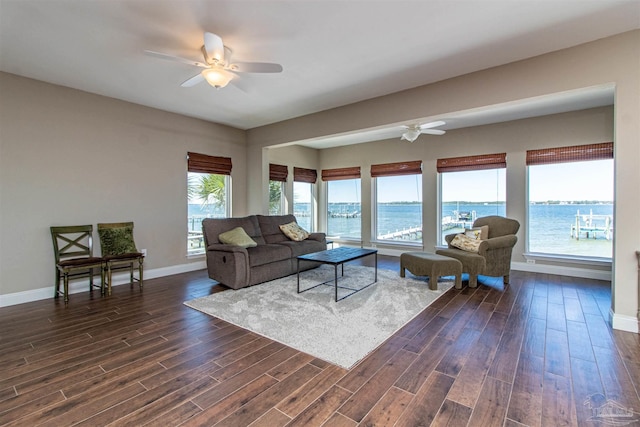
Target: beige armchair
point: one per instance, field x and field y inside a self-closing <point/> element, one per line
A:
<point x="494" y="254"/>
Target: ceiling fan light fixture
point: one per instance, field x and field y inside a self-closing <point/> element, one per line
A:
<point x="411" y="134"/>
<point x="217" y="77"/>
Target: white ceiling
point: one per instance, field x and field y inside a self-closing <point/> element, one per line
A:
<point x="333" y="52"/>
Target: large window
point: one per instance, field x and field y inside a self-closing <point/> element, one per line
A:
<point x="470" y="187"/>
<point x="208" y="180"/>
<point x="303" y="200"/>
<point x="398" y="201"/>
<point x="343" y="203"/>
<point x="571" y="201"/>
<point x="277" y="178"/>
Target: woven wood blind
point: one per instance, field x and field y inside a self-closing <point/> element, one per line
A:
<point x="278" y="172"/>
<point x="208" y="164"/>
<point x="305" y="175"/>
<point x="576" y="153"/>
<point x="472" y="163"/>
<point x="340" y="173"/>
<point x="394" y="169"/>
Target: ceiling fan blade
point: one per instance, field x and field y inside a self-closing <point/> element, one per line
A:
<point x="256" y="67"/>
<point x="214" y="49"/>
<point x="239" y="84"/>
<point x="198" y="78"/>
<point x="433" y="131"/>
<point x="175" y="58"/>
<point x="432" y="124"/>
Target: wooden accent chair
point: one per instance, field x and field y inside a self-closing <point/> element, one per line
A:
<point x="494" y="254"/>
<point x="119" y="251"/>
<point x="73" y="251"/>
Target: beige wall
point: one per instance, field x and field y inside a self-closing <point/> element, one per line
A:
<point x="614" y="60"/>
<point x="69" y="157"/>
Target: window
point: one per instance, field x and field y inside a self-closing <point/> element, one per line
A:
<point x="571" y="201"/>
<point x="470" y="187"/>
<point x="343" y="202"/>
<point x="398" y="201"/>
<point x="303" y="201"/>
<point x="208" y="183"/>
<point x="277" y="177"/>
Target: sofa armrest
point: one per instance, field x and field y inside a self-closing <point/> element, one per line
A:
<point x="320" y="237"/>
<point x="225" y="248"/>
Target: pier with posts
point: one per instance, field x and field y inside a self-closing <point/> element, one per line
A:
<point x="591" y="226"/>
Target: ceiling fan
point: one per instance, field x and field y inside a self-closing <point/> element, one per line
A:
<point x="413" y="131"/>
<point x="218" y="70"/>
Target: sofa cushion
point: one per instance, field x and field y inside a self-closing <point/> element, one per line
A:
<point x="213" y="227"/>
<point x="294" y="232"/>
<point x="265" y="254"/>
<point x="237" y="237"/>
<point x="270" y="226"/>
<point x="304" y="247"/>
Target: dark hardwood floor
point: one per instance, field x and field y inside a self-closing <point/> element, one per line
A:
<point x="538" y="352"/>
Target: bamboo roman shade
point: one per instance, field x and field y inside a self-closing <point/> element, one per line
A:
<point x="341" y="173"/>
<point x="278" y="172"/>
<point x="575" y="153"/>
<point x="472" y="163"/>
<point x="305" y="175"/>
<point x="395" y="169"/>
<point x="202" y="163"/>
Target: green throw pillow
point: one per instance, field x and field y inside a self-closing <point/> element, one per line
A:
<point x="237" y="237"/>
<point x="117" y="240"/>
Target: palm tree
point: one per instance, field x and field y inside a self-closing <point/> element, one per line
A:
<point x="275" y="197"/>
<point x="210" y="188"/>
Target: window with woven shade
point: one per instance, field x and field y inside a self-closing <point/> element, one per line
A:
<point x="278" y="175"/>
<point x="208" y="195"/>
<point x="303" y="196"/>
<point x="470" y="187"/>
<point x="398" y="202"/>
<point x="344" y="209"/>
<point x="570" y="201"/>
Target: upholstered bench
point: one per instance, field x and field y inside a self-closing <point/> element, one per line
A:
<point x="432" y="265"/>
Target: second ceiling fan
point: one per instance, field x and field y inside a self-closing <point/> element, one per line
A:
<point x="218" y="70"/>
<point x="413" y="131"/>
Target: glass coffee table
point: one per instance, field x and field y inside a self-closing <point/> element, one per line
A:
<point x="337" y="257"/>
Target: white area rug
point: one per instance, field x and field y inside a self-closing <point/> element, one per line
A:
<point x="342" y="332"/>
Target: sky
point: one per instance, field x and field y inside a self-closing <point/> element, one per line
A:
<point x="592" y="180"/>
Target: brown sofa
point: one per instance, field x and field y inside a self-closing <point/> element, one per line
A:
<point x="273" y="257"/>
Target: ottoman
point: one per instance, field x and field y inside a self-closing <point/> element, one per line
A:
<point x="432" y="265"/>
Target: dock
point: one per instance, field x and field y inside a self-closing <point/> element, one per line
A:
<point x="407" y="233"/>
<point x="591" y="226"/>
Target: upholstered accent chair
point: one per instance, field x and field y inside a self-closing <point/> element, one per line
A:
<point x="494" y="253"/>
<point x="73" y="252"/>
<point x="119" y="251"/>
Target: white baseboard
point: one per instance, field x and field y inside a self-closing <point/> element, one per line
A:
<point x="558" y="270"/>
<point x="624" y="323"/>
<point x="83" y="285"/>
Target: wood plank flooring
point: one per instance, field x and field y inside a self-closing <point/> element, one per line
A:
<point x="538" y="352"/>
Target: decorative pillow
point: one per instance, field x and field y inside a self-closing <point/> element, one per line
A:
<point x="465" y="243"/>
<point x="294" y="232"/>
<point x="478" y="233"/>
<point x="237" y="237"/>
<point x="117" y="240"/>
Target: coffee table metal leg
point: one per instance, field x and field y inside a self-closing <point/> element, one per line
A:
<point x="376" y="267"/>
<point x="298" y="269"/>
<point x="335" y="278"/>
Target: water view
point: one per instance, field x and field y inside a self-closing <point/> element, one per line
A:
<point x="552" y="227"/>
